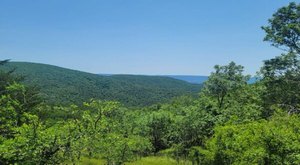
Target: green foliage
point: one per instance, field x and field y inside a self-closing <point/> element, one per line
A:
<point x="231" y="122"/>
<point x="36" y="144"/>
<point x="242" y="105"/>
<point x="158" y="161"/>
<point x="103" y="130"/>
<point x="227" y="96"/>
<point x="14" y="107"/>
<point x="110" y="134"/>
<point x="281" y="76"/>
<point x="151" y="160"/>
<point x="193" y="128"/>
<point x="159" y="124"/>
<point x="6" y="77"/>
<point x="262" y="142"/>
<point x="283" y="30"/>
<point x="24" y="138"/>
<point x="223" y="80"/>
<point x="65" y="86"/>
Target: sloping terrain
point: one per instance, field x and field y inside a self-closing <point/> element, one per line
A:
<point x="61" y="85"/>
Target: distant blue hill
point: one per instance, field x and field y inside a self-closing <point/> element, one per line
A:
<point x="200" y="79"/>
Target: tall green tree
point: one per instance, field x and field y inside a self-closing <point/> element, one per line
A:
<point x="283" y="30"/>
<point x="159" y="124"/>
<point x="27" y="98"/>
<point x="7" y="77"/>
<point x="224" y="80"/>
<point x="281" y="75"/>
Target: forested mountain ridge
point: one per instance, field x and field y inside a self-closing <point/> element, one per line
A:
<point x="232" y="122"/>
<point x="190" y="78"/>
<point x="61" y="85"/>
<point x="193" y="79"/>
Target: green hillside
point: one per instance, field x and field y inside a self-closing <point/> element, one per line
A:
<point x="60" y="85"/>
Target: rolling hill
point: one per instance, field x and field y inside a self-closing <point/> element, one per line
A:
<point x="61" y="85"/>
<point x="190" y="79"/>
<point x="193" y="79"/>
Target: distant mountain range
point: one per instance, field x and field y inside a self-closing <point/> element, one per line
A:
<point x="187" y="78"/>
<point x="191" y="78"/>
<point x="61" y="85"/>
<point x="201" y="79"/>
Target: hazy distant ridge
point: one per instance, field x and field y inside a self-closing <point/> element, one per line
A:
<point x="187" y="78"/>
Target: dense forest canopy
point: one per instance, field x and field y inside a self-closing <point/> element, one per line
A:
<point x="64" y="86"/>
<point x="230" y="122"/>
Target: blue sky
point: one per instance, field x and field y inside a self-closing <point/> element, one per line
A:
<point x="137" y="36"/>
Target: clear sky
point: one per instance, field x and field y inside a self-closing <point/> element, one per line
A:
<point x="137" y="36"/>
